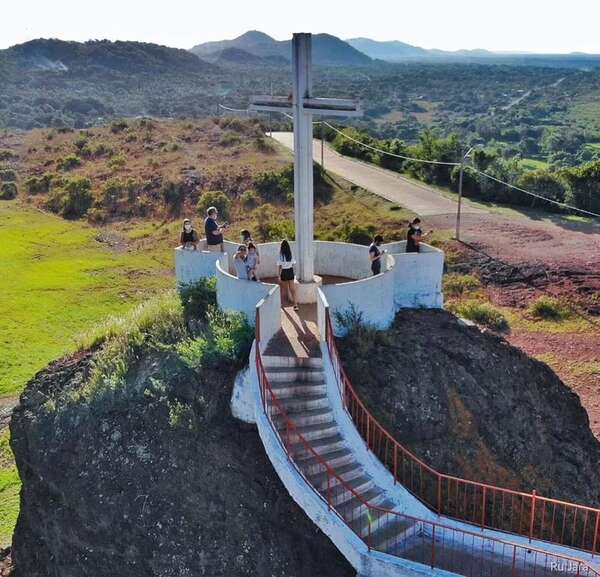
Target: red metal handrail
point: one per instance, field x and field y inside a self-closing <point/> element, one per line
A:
<point x="418" y="542"/>
<point x="487" y="506"/>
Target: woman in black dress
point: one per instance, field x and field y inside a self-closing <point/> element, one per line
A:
<point x="285" y="268"/>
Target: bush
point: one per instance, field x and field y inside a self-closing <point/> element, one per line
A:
<point x="217" y="199"/>
<point x="355" y="233"/>
<point x="8" y="191"/>
<point x="7" y="175"/>
<point x="483" y="314"/>
<point x="227" y="339"/>
<point x="274" y="185"/>
<point x="72" y="199"/>
<point x="198" y="297"/>
<point x="456" y="285"/>
<point x="37" y="185"/>
<point x="70" y="162"/>
<point x="118" y="126"/>
<point x="230" y="139"/>
<point x="268" y="228"/>
<point x="250" y="199"/>
<point x="262" y="144"/>
<point x="117" y="161"/>
<point x="6" y="154"/>
<point x="549" y="308"/>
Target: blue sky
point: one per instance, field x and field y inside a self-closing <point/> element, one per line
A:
<point x="507" y="25"/>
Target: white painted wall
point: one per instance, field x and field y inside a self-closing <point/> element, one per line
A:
<point x="418" y="276"/>
<point x="269" y="309"/>
<point x="373" y="297"/>
<point x="234" y="294"/>
<point x="193" y="265"/>
<point x="342" y="259"/>
<point x="322" y="306"/>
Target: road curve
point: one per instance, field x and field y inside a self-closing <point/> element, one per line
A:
<point x="417" y="197"/>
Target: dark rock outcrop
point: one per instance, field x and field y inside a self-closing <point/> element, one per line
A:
<point x="168" y="484"/>
<point x="473" y="406"/>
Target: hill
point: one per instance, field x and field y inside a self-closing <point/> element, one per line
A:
<point x="238" y="57"/>
<point x="328" y="50"/>
<point x="57" y="83"/>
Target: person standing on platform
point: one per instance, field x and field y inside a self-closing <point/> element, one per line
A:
<point x="414" y="236"/>
<point x="214" y="230"/>
<point x="285" y="267"/>
<point x="239" y="262"/>
<point x="376" y="254"/>
<point x="188" y="239"/>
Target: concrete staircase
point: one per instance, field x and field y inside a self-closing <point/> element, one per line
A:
<point x="299" y="384"/>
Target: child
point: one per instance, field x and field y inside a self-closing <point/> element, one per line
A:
<point x="252" y="262"/>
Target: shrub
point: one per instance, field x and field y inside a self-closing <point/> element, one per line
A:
<point x="198" y="297"/>
<point x="118" y="126"/>
<point x="101" y="149"/>
<point x="72" y="199"/>
<point x="269" y="228"/>
<point x="229" y="139"/>
<point x="549" y="308"/>
<point x="215" y="198"/>
<point x="250" y="198"/>
<point x="117" y="161"/>
<point x="7" y="175"/>
<point x="68" y="163"/>
<point x="227" y="339"/>
<point x="274" y="185"/>
<point x="6" y="154"/>
<point x="456" y="285"/>
<point x="36" y="185"/>
<point x="8" y="191"/>
<point x="483" y="314"/>
<point x="355" y="233"/>
<point x="262" y="144"/>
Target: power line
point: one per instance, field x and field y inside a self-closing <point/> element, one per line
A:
<point x="245" y="110"/>
<point x="389" y="153"/>
<point x="545" y="198"/>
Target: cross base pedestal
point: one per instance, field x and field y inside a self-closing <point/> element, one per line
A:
<point x="306" y="292"/>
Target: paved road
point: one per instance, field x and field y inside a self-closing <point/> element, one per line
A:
<point x="417" y="197"/>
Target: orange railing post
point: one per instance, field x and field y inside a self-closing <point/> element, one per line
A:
<point x="328" y="490"/>
<point x="514" y="561"/>
<point x="433" y="548"/>
<point x="439" y="494"/>
<point x="483" y="507"/>
<point x="532" y="520"/>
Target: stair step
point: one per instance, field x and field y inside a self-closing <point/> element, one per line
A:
<point x="285" y="390"/>
<point x="342" y="493"/>
<point x="321" y="446"/>
<point x="305" y="417"/>
<point x="387" y="536"/>
<point x="352" y="507"/>
<point x="346" y="472"/>
<point x="294" y="374"/>
<point x="379" y="517"/>
<point x="336" y="458"/>
<point x="304" y="402"/>
<point x="313" y="432"/>
<point x="277" y="361"/>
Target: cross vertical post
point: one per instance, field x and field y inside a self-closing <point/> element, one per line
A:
<point x="303" y="105"/>
<point x="303" y="159"/>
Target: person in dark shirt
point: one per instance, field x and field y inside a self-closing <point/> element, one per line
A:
<point x="414" y="236"/>
<point x="375" y="254"/>
<point x="214" y="230"/>
<point x="188" y="239"/>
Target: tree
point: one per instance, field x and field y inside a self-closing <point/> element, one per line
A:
<point x="584" y="186"/>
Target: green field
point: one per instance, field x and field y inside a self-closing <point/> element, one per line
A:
<point x="57" y="281"/>
<point x="533" y="164"/>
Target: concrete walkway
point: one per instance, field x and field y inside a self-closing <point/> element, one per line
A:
<point x="419" y="198"/>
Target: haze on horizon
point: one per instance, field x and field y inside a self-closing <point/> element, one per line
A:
<point x="515" y="26"/>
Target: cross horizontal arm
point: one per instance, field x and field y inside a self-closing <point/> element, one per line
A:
<point x="332" y="106"/>
<point x="270" y="103"/>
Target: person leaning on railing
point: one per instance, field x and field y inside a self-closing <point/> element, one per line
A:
<point x="188" y="239"/>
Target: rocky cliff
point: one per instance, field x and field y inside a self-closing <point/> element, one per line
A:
<point x="471" y="405"/>
<point x="166" y="484"/>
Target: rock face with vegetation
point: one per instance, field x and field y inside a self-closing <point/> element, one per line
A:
<point x="471" y="405"/>
<point x="133" y="465"/>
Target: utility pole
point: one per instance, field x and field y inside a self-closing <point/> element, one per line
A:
<point x="460" y="189"/>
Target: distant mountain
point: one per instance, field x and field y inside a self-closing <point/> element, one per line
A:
<point x="328" y="50"/>
<point x="120" y="57"/>
<point x="394" y="50"/>
<point x="239" y="57"/>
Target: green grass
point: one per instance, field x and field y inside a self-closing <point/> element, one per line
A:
<point x="551" y="309"/>
<point x="9" y="491"/>
<point x="57" y="282"/>
<point x="533" y="164"/>
<point x="483" y="313"/>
